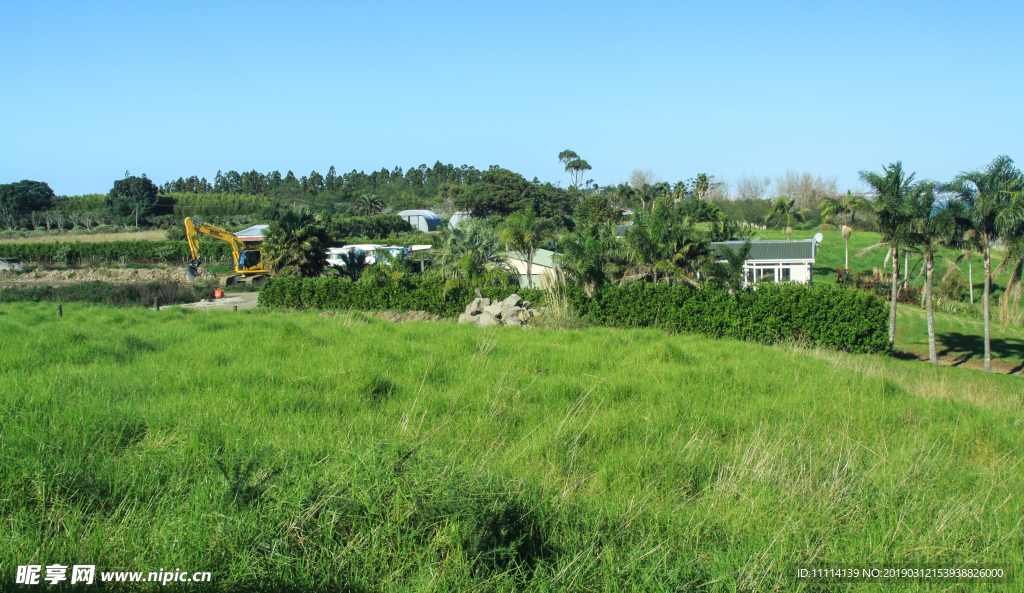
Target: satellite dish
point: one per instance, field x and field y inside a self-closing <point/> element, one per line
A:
<point x="818" y="237"/>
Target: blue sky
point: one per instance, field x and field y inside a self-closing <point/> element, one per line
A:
<point x="728" y="88"/>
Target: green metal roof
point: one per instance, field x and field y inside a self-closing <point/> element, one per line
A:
<point x="772" y="250"/>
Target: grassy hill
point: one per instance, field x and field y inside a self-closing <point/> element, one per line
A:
<point x="831" y="256"/>
<point x="327" y="453"/>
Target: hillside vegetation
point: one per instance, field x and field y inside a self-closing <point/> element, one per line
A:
<point x="288" y="449"/>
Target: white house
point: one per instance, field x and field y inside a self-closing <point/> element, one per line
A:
<point x="542" y="269"/>
<point x="776" y="261"/>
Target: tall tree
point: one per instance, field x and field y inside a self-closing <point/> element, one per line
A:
<point x="988" y="195"/>
<point x="18" y="199"/>
<point x="787" y="210"/>
<point x="932" y="228"/>
<point x="893" y="208"/>
<point x="574" y="166"/>
<point x="591" y="255"/>
<point x="132" y="197"/>
<point x="660" y="246"/>
<point x="831" y="207"/>
<point x="525" y="233"/>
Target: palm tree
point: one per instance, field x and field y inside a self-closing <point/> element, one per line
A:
<point x="832" y="207"/>
<point x="893" y="208"/>
<point x="296" y="245"/>
<point x="470" y="254"/>
<point x="932" y="229"/>
<point x="525" y="234"/>
<point x="658" y="243"/>
<point x="787" y="210"/>
<point x="987" y="195"/>
<point x="368" y="205"/>
<point x="591" y="256"/>
<point x="848" y="207"/>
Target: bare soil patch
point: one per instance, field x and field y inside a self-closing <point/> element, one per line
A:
<point x="117" y="275"/>
<point x="97" y="238"/>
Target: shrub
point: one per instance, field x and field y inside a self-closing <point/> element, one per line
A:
<point x="882" y="287"/>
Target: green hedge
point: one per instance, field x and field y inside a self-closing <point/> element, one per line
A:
<point x="408" y="293"/>
<point x="122" y="251"/>
<point x="824" y="315"/>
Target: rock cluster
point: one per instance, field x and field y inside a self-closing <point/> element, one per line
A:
<point x="511" y="311"/>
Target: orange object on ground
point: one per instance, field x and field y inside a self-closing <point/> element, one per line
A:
<point x="218" y="294"/>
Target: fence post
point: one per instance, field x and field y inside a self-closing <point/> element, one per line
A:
<point x="60" y="311"/>
<point x="234" y="308"/>
<point x="156" y="303"/>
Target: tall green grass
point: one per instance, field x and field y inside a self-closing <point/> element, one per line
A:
<point x="289" y="450"/>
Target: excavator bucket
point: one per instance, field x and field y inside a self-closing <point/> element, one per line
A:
<point x="190" y="276"/>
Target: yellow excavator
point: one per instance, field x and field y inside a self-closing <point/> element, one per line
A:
<point x="248" y="260"/>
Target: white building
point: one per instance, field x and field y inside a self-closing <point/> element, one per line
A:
<point x="542" y="269"/>
<point x="776" y="261"/>
<point x="422" y="220"/>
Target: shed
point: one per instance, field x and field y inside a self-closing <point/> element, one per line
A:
<point x="422" y="220"/>
<point x="776" y="261"/>
<point x="542" y="269"/>
<point x="256" y="232"/>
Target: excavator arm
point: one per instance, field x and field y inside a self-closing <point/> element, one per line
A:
<point x="238" y="248"/>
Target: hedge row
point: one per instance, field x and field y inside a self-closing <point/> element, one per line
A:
<point x="124" y="251"/>
<point x="408" y="293"/>
<point x="824" y="315"/>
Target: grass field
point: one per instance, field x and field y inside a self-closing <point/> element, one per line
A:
<point x="960" y="337"/>
<point x="286" y="449"/>
<point x="831" y="256"/>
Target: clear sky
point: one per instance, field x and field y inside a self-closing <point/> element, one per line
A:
<point x="92" y="89"/>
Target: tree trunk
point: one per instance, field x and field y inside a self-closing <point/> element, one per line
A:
<point x="930" y="267"/>
<point x="984" y="297"/>
<point x="529" y="271"/>
<point x="970" y="276"/>
<point x="892" y="311"/>
<point x="847" y="254"/>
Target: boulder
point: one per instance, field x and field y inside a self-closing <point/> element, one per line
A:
<point x="485" y="319"/>
<point x="513" y="300"/>
<point x="475" y="307"/>
<point x="526" y="304"/>
<point x="513" y="321"/>
<point x="493" y="310"/>
<point x="466" y="318"/>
